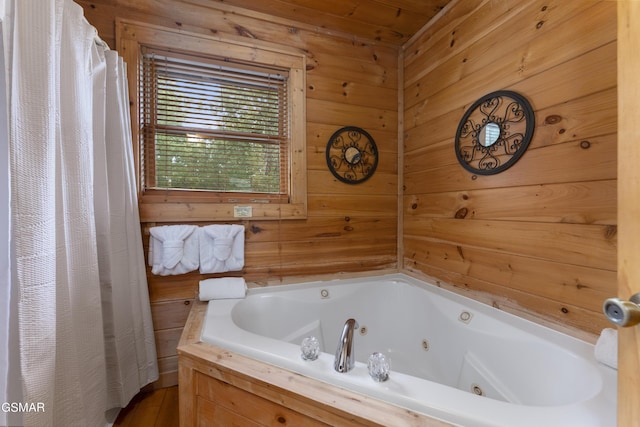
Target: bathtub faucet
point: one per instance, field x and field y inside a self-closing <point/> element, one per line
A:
<point x="345" y="359"/>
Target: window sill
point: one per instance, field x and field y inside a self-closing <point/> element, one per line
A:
<point x="198" y="211"/>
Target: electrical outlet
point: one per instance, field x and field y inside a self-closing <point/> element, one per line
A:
<point x="242" y="211"/>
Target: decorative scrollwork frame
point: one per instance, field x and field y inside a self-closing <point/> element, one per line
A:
<point x="352" y="155"/>
<point x="484" y="151"/>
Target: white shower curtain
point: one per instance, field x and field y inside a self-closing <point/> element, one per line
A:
<point x="85" y="333"/>
<point x="5" y="269"/>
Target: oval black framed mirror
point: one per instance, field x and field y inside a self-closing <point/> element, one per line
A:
<point x="494" y="132"/>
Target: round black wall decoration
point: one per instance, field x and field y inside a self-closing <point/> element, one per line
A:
<point x="494" y="132"/>
<point x="352" y="155"/>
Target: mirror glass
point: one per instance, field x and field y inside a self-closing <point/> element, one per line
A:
<point x="489" y="134"/>
<point x="352" y="155"/>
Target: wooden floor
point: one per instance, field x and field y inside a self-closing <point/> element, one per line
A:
<point x="157" y="408"/>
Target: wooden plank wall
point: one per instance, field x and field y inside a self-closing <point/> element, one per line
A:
<point x="350" y="228"/>
<point x="540" y="238"/>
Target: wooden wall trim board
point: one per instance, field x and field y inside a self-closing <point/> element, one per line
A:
<point x="538" y="240"/>
<point x="401" y="150"/>
<point x="628" y="14"/>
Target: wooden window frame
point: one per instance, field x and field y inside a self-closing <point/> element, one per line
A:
<point x="180" y="206"/>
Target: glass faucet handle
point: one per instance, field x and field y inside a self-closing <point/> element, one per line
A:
<point x="310" y="348"/>
<point x="378" y="366"/>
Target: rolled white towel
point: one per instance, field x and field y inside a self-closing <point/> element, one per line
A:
<point x="606" y="349"/>
<point x="222" y="288"/>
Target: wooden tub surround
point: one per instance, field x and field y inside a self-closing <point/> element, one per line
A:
<point x="221" y="388"/>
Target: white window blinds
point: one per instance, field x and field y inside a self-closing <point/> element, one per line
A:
<point x="213" y="124"/>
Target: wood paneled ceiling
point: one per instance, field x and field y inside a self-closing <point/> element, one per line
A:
<point x="390" y="21"/>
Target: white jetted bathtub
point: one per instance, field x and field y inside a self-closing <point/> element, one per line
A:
<point x="451" y="357"/>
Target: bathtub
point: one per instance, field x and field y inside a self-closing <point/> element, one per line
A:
<point x="452" y="358"/>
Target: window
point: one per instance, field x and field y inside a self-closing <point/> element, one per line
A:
<point x="213" y="126"/>
<point x="218" y="124"/>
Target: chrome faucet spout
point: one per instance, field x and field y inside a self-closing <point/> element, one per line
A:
<point x="345" y="358"/>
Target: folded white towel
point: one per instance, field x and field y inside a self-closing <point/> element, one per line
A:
<point x="222" y="288"/>
<point x="606" y="349"/>
<point x="173" y="249"/>
<point x="221" y="248"/>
